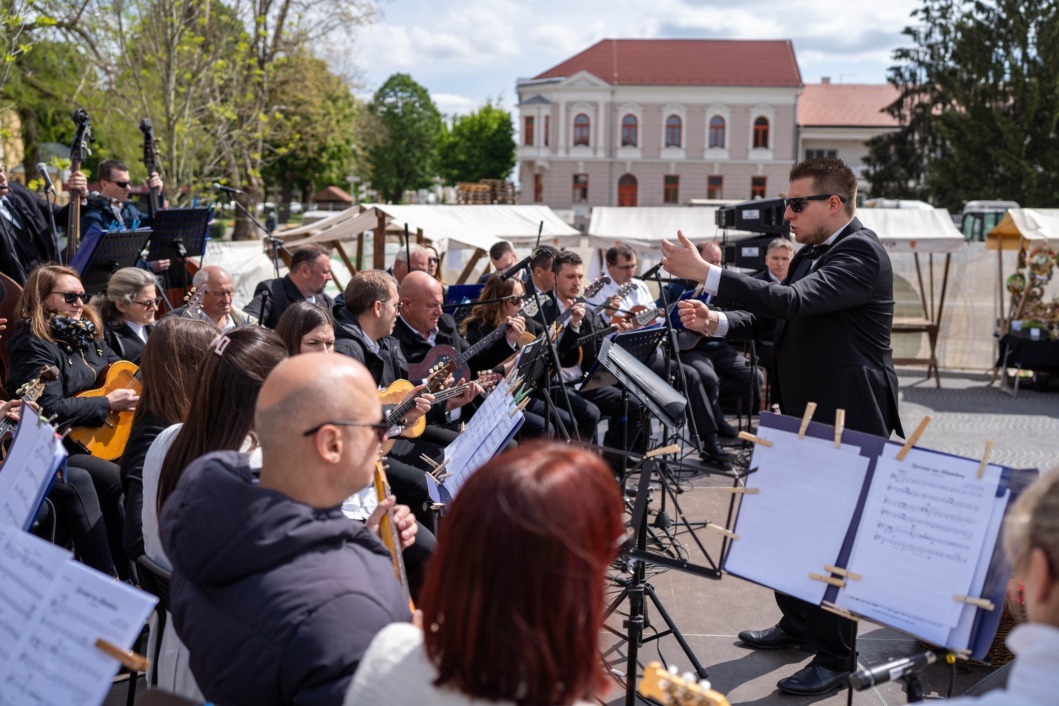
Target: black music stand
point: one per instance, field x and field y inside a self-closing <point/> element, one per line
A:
<point x="534" y="367"/>
<point x="179" y="233"/>
<point x="103" y="253"/>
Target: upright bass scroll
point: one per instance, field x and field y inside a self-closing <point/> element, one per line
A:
<point x="78" y="153"/>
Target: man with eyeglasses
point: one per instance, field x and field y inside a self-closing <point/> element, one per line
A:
<point x="834" y="311"/>
<point x="111" y="209"/>
<point x="276" y="592"/>
<point x="310" y="271"/>
<point x="25" y="228"/>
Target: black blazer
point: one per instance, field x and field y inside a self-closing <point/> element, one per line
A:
<point x="35" y="241"/>
<point x="281" y="293"/>
<point x="833" y="332"/>
<point x="124" y="342"/>
<point x="415" y="347"/>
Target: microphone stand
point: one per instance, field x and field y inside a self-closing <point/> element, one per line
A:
<point x="274" y="243"/>
<point x="51" y="218"/>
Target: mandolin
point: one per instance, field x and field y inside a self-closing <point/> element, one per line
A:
<point x="399" y="388"/>
<point x="671" y="690"/>
<point x="78" y="153"/>
<point x="444" y="354"/>
<point x="389" y="535"/>
<point x="108" y="441"/>
<point x="30" y="391"/>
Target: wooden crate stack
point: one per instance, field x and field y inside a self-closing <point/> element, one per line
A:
<point x="476" y="194"/>
<point x="503" y="192"/>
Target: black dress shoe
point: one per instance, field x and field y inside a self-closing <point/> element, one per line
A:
<point x="769" y="638"/>
<point x="726" y="430"/>
<point x="711" y="446"/>
<point x="813" y="680"/>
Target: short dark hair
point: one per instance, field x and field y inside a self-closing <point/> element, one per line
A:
<point x="543" y="257"/>
<point x="107" y="168"/>
<point x="830" y="176"/>
<point x="566" y="257"/>
<point x="622" y="250"/>
<point x="367" y="288"/>
<point x="299" y="319"/>
<point x="500" y="249"/>
<point x="306" y="255"/>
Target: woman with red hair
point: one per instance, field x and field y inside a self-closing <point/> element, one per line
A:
<point x="513" y="598"/>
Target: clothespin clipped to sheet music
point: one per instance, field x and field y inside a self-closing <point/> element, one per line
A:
<point x="439" y="470"/>
<point x="829" y="580"/>
<point x="913" y="439"/>
<point x="429" y="461"/>
<point x="983" y="603"/>
<point x="747" y="436"/>
<point x="840" y="426"/>
<point x="985" y="457"/>
<point x="129" y="659"/>
<point x="663" y="451"/>
<point x="810" y="410"/>
<point x="844" y="573"/>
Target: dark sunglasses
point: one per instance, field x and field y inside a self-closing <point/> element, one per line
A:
<point x="71" y="297"/>
<point x="434" y="260"/>
<point x="381" y="428"/>
<point x="122" y="184"/>
<point x="797" y="204"/>
<point x="157" y="301"/>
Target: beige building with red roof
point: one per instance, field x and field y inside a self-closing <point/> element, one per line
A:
<point x="652" y="122"/>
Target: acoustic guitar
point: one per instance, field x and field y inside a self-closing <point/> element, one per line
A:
<point x="108" y="441"/>
<point x="30" y="391"/>
<point x="671" y="690"/>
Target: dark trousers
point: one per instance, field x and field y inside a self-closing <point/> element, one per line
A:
<point x="106" y="477"/>
<point x="740" y="384"/>
<point x="700" y="407"/>
<point x="830" y="636"/>
<point x="79" y="518"/>
<point x="585" y="417"/>
<point x="609" y="402"/>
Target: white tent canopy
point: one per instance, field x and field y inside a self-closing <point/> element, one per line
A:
<point x="343" y="225"/>
<point x="482" y="226"/>
<point x="1031" y="223"/>
<point x="912" y="230"/>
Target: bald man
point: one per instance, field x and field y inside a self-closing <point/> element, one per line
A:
<point x="274" y="591"/>
<point x="217" y="303"/>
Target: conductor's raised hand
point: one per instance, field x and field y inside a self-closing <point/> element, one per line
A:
<point x="682" y="259"/>
<point x="696" y="316"/>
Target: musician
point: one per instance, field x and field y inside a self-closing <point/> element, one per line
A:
<point x="128" y="310"/>
<point x="434" y="265"/>
<point x="502" y="257"/>
<point x="310" y="271"/>
<point x="25" y="228"/>
<point x="217" y="303"/>
<point x="56" y="327"/>
<point x="307" y="328"/>
<point x="542" y="281"/>
<point x="414" y="255"/>
<point x="778" y="257"/>
<point x="832" y="348"/>
<point x="621" y="263"/>
<point x="276" y="592"/>
<point x="519" y="576"/>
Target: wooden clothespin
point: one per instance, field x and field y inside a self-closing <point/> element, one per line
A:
<point x="985" y="457"/>
<point x="840" y="426"/>
<point x="844" y="573"/>
<point x="983" y="603"/>
<point x="832" y="608"/>
<point x="129" y="659"/>
<point x="829" y="580"/>
<point x="913" y="438"/>
<point x="439" y="470"/>
<point x="429" y="461"/>
<point x="747" y="436"/>
<point x="810" y="410"/>
<point x="663" y="451"/>
<point x="721" y="530"/>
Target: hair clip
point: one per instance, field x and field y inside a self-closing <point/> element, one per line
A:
<point x="220" y="344"/>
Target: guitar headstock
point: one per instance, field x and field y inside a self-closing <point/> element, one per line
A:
<point x="488" y="380"/>
<point x="194" y="299"/>
<point x="529" y="306"/>
<point x="150" y="144"/>
<point x="438" y="375"/>
<point x="625" y="290"/>
<point x="667" y="688"/>
<point x="593" y="289"/>
<point x="32" y="389"/>
<point x="647" y="316"/>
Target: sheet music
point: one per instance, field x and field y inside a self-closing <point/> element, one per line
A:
<point x="960" y="637"/>
<point x="782" y="541"/>
<point x="920" y="540"/>
<point x="28" y="567"/>
<point x="56" y="662"/>
<point x="27" y="473"/>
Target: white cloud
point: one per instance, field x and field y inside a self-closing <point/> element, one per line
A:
<point x="452" y="104"/>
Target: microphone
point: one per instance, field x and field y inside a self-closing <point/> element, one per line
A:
<point x="652" y="272"/>
<point x="226" y="189"/>
<point x="891" y="671"/>
<point x="514" y="269"/>
<point x="42" y="169"/>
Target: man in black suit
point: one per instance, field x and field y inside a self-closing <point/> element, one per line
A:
<point x="834" y="313"/>
<point x="25" y="229"/>
<point x="310" y="271"/>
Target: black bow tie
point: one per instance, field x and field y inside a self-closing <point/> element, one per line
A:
<point x="816" y="251"/>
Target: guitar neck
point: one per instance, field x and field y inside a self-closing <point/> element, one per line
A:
<point x="487" y="341"/>
<point x="73" y="225"/>
<point x="389" y="534"/>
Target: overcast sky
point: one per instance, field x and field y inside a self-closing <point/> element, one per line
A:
<point x="468" y="52"/>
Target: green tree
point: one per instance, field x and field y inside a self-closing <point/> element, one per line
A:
<point x="978" y="105"/>
<point x="478" y="146"/>
<point x="403" y="153"/>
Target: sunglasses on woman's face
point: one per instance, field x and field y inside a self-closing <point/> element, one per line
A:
<point x="71" y="297"/>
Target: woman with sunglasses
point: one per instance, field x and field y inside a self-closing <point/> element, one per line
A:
<point x="56" y="327"/>
<point x="434" y="265"/>
<point x="129" y="310"/>
<point x="493" y="313"/>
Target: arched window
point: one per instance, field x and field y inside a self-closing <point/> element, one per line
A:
<point x="673" y="130"/>
<point x="581" y="130"/>
<point x="761" y="133"/>
<point x="717" y="131"/>
<point x="627" y="188"/>
<point x="629" y="130"/>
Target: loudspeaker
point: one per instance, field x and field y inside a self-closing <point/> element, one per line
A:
<point x="757" y="216"/>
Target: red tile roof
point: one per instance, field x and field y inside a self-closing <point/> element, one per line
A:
<point x="846" y="105"/>
<point x="686" y="62"/>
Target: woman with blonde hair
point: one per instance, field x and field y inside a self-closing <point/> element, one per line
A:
<point x="128" y="311"/>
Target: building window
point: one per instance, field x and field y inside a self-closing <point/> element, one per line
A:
<point x="714" y="187"/>
<point x="627" y="188"/>
<point x="818" y="154"/>
<point x="671" y="189"/>
<point x="629" y="130"/>
<point x="580" y="188"/>
<point x="538" y="188"/>
<point x="761" y="133"/>
<point x="673" y="131"/>
<point x="757" y="187"/>
<point x="717" y="131"/>
<point x="527" y="130"/>
<point x="547" y="128"/>
<point x="581" y="130"/>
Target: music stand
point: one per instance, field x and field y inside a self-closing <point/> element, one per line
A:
<point x="102" y="253"/>
<point x="178" y="233"/>
<point x="461" y="297"/>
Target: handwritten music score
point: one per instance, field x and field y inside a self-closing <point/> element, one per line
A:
<point x="28" y="470"/>
<point x="52" y="611"/>
<point x="921" y="540"/>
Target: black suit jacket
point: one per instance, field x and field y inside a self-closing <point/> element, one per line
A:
<point x="124" y="342"/>
<point x="385" y="366"/>
<point x="282" y="293"/>
<point x="35" y="241"/>
<point x="832" y="333"/>
<point x="415" y="347"/>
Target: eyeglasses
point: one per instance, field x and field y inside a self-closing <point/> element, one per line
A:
<point x="434" y="260"/>
<point x="122" y="184"/>
<point x="381" y="428"/>
<point x="398" y="306"/>
<point x="627" y="268"/>
<point x="71" y="297"/>
<point x="156" y="302"/>
<point x="798" y="203"/>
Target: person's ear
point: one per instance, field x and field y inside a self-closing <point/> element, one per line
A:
<point x="1043" y="583"/>
<point x="328" y="443"/>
